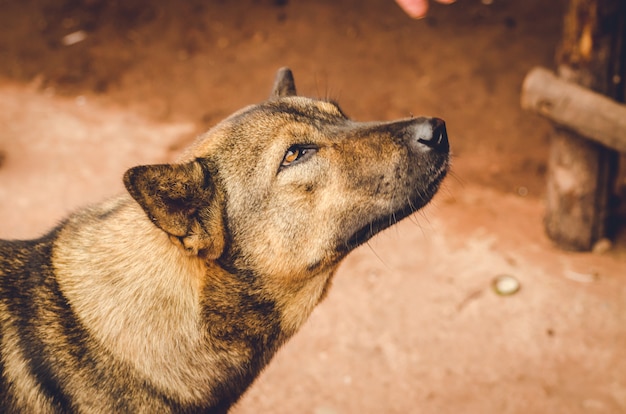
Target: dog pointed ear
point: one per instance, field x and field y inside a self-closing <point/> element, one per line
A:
<point x="181" y="200"/>
<point x="284" y="84"/>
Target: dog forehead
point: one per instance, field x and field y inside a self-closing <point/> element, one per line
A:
<point x="309" y="107"/>
<point x="275" y="113"/>
<point x="258" y="124"/>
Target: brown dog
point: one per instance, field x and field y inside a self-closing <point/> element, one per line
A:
<point x="172" y="298"/>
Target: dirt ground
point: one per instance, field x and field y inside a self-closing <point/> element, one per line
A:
<point x="412" y="324"/>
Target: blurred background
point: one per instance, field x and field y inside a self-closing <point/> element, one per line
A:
<point x="89" y="88"/>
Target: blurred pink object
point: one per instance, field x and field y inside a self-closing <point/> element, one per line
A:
<point x="418" y="8"/>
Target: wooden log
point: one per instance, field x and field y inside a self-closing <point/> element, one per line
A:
<point x="581" y="173"/>
<point x="574" y="107"/>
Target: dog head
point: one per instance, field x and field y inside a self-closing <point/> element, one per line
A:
<point x="288" y="187"/>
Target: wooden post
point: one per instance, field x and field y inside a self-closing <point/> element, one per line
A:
<point x="581" y="173"/>
<point x="593" y="116"/>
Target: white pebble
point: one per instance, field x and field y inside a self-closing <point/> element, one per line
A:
<point x="505" y="285"/>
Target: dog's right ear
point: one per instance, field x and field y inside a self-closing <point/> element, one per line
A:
<point x="181" y="200"/>
<point x="284" y="84"/>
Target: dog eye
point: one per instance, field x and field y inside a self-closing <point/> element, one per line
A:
<point x="297" y="153"/>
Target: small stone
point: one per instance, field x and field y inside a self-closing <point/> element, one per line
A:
<point x="581" y="277"/>
<point x="602" y="246"/>
<point x="505" y="285"/>
<point x="74" y="37"/>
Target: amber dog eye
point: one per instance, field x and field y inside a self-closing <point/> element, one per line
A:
<point x="297" y="153"/>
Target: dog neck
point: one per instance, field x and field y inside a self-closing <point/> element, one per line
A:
<point x="127" y="281"/>
<point x="139" y="294"/>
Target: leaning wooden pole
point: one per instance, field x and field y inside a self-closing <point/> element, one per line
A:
<point x="581" y="173"/>
<point x="590" y="114"/>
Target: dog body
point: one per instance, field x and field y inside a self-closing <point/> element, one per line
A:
<point x="174" y="296"/>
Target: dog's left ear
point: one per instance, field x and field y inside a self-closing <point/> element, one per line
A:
<point x="284" y="84"/>
<point x="181" y="199"/>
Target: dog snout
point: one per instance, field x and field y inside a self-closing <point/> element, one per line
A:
<point x="433" y="134"/>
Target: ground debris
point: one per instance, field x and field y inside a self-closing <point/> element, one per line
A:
<point x="505" y="285"/>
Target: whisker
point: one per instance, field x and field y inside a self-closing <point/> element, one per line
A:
<point x="453" y="175"/>
<point x="378" y="256"/>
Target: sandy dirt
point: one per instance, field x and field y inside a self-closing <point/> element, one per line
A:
<point x="412" y="323"/>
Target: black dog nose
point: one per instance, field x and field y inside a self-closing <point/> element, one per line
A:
<point x="439" y="138"/>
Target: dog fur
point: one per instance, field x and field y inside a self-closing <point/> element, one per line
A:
<point x="174" y="296"/>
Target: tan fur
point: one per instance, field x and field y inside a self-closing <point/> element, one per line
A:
<point x="173" y="297"/>
<point x="156" y="283"/>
